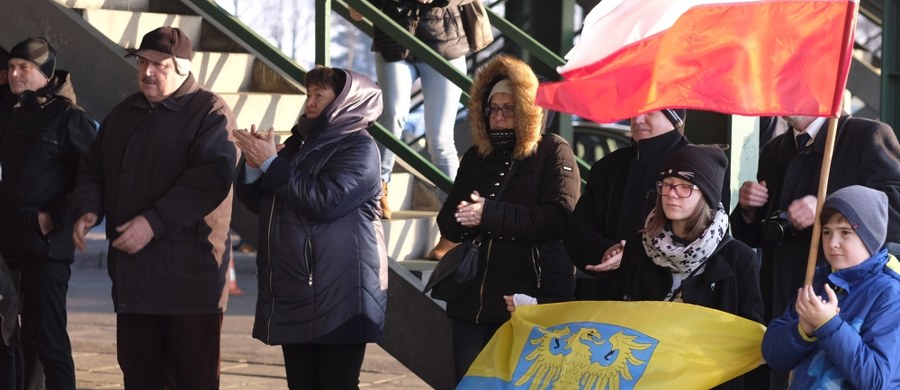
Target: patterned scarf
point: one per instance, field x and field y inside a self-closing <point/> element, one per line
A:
<point x="501" y="138"/>
<point x="682" y="260"/>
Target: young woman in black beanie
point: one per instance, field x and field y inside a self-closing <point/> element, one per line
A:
<point x="684" y="253"/>
<point x="684" y="249"/>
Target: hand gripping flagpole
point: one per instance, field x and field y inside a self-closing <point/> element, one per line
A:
<point x="849" y="29"/>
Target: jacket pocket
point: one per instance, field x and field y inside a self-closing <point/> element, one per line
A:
<point x="29" y="236"/>
<point x="291" y="260"/>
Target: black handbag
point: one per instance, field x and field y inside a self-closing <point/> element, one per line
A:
<point x="456" y="271"/>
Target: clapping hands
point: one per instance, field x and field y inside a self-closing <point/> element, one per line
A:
<point x="256" y="146"/>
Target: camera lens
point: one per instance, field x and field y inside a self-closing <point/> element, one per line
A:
<point x="773" y="231"/>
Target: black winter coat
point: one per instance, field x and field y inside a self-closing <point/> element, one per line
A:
<point x="866" y="152"/>
<point x="522" y="251"/>
<point x="322" y="261"/>
<point x="619" y="195"/>
<point x="174" y="164"/>
<point x="7" y="100"/>
<point x="39" y="152"/>
<point x="729" y="283"/>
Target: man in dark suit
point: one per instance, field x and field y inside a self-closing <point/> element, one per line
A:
<point x="776" y="212"/>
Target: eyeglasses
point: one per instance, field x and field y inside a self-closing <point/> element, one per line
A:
<point x="681" y="190"/>
<point x="507" y="111"/>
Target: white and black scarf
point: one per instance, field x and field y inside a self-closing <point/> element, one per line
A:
<point x="683" y="260"/>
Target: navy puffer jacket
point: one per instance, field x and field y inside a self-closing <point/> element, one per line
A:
<point x="321" y="257"/>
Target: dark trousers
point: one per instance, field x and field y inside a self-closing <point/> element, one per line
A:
<point x="323" y="366"/>
<point x="468" y="340"/>
<point x="169" y="351"/>
<point x="11" y="363"/>
<point x="43" y="337"/>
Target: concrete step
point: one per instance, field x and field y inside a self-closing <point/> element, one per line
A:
<point x="400" y="191"/>
<point x="267" y="80"/>
<point x="126" y="28"/>
<point x="265" y="110"/>
<point x="410" y="234"/>
<point x="223" y="72"/>
<point x="421" y="268"/>
<point x="124" y="5"/>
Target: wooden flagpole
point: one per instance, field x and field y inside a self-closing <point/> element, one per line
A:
<point x="820" y="198"/>
<point x="837" y="101"/>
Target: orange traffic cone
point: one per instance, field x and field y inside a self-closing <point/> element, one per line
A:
<point x="233" y="288"/>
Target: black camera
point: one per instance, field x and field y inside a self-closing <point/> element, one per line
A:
<point x="777" y="227"/>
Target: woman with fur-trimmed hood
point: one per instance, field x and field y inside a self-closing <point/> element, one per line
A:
<point x="522" y="228"/>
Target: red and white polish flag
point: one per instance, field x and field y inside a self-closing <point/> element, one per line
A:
<point x="746" y="57"/>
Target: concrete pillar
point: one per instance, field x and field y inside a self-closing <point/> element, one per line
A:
<point x="742" y="136"/>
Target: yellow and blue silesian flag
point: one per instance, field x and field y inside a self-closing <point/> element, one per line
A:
<point x="617" y="345"/>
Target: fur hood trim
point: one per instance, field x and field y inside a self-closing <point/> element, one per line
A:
<point x="528" y="115"/>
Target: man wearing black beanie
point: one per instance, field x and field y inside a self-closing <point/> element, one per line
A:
<point x="42" y="142"/>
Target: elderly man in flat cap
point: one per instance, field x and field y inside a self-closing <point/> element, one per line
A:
<point x="40" y="147"/>
<point x="161" y="172"/>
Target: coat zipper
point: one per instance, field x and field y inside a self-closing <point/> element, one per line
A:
<point x="269" y="250"/>
<point x="307" y="254"/>
<point x="487" y="263"/>
<point x="535" y="262"/>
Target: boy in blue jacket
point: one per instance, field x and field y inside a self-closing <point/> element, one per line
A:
<point x="843" y="332"/>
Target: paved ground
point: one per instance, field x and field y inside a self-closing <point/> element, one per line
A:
<point x="246" y="362"/>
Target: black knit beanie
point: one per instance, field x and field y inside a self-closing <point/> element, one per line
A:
<point x="676" y="116"/>
<point x="37" y="51"/>
<point x="702" y="165"/>
<point x="867" y="212"/>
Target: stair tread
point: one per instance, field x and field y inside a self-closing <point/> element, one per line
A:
<point x="418" y="264"/>
<point x="409" y="214"/>
<point x="123" y="5"/>
<point x="126" y="28"/>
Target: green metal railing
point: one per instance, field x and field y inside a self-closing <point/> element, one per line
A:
<point x="425" y="53"/>
<point x="288" y="68"/>
<point x="403" y="37"/>
<point x="257" y="45"/>
<point x="524" y="40"/>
